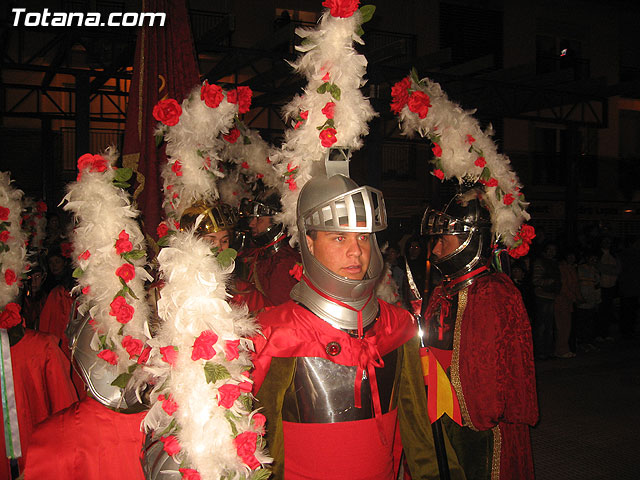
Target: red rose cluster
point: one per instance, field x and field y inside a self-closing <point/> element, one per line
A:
<point x="522" y="241"/>
<point x="10" y="316"/>
<point x="341" y="8"/>
<point x="168" y="112"/>
<point x="93" y="163"/>
<point x="417" y="101"/>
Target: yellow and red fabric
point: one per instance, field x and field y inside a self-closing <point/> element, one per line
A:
<point x="441" y="397"/>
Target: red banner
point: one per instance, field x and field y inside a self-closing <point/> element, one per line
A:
<point x="165" y="66"/>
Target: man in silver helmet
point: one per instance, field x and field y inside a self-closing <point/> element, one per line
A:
<point x="477" y="329"/>
<point x="336" y="369"/>
<point x="98" y="437"/>
<point x="267" y="263"/>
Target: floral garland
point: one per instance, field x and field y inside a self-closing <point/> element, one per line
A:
<point x="109" y="255"/>
<point x="12" y="251"/>
<point x="462" y="150"/>
<point x="332" y="111"/>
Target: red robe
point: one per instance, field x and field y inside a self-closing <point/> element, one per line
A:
<point x="270" y="271"/>
<point x="346" y="449"/>
<point x="87" y="441"/>
<point x="492" y="371"/>
<point x="244" y="293"/>
<point x="42" y="386"/>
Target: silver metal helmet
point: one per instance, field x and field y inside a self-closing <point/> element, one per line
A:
<point x="465" y="217"/>
<point x="337" y="204"/>
<point x="266" y="204"/>
<point x="95" y="372"/>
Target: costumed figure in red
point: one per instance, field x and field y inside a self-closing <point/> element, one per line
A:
<point x="215" y="222"/>
<point x="478" y="330"/>
<point x="98" y="437"/>
<point x="268" y="263"/>
<point x="337" y="371"/>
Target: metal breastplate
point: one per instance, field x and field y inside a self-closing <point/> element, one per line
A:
<point x="324" y="391"/>
<point x="439" y="331"/>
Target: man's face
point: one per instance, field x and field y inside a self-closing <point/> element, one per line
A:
<point x="259" y="225"/>
<point x="445" y="245"/>
<point x="219" y="239"/>
<point x="346" y="254"/>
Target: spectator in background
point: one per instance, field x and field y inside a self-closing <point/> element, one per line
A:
<point x="589" y="282"/>
<point x="609" y="270"/>
<point x="522" y="281"/>
<point x="563" y="306"/>
<point x="629" y="287"/>
<point x="547" y="284"/>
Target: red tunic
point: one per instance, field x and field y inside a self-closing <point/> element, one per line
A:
<point x="244" y="293"/>
<point x="270" y="271"/>
<point x="351" y="449"/>
<point x="87" y="441"/>
<point x="42" y="386"/>
<point x="493" y="360"/>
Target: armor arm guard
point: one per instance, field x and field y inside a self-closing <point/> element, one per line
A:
<point x="270" y="399"/>
<point x="415" y="427"/>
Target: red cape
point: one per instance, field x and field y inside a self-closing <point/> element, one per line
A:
<point x="42" y="386"/>
<point x="87" y="441"/>
<point x="270" y="272"/>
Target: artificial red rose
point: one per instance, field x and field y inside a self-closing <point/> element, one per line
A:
<point x="169" y="355"/>
<point x="203" y="346"/>
<point x="171" y="445"/>
<point x="86" y="290"/>
<point x="211" y="95"/>
<point x="292" y="183"/>
<point x="4" y="235"/>
<point x="245" y="165"/>
<point x="400" y="95"/>
<point x="507" y="199"/>
<point x="10" y="277"/>
<point x="304" y="115"/>
<point x="123" y="244"/>
<point x="260" y="175"/>
<point x="41" y="207"/>
<point x="296" y="271"/>
<point x="328" y="137"/>
<point x="492" y="182"/>
<point x="66" y="249"/>
<point x="231" y="351"/>
<point x="341" y="8"/>
<point x="84" y="255"/>
<point x="480" y="162"/>
<point x="177" y="168"/>
<point x="168" y="112"/>
<point x="259" y="421"/>
<point x="470" y="139"/>
<point x="519" y="251"/>
<point x="168" y="404"/>
<point x="4" y="213"/>
<point x="232" y="136"/>
<point x="244" y="99"/>
<point x="133" y="346"/>
<point x="109" y="356"/>
<point x="121" y="310"/>
<point x="245" y="387"/>
<point x="228" y="394"/>
<point x="95" y="163"/>
<point x="162" y="230"/>
<point x="144" y="356"/>
<point x="297" y="125"/>
<point x="527" y="232"/>
<point x="419" y="103"/>
<point x="328" y="109"/>
<point x="326" y="77"/>
<point x="189" y="474"/>
<point x="246" y="447"/>
<point x="126" y="272"/>
<point x="10" y="316"/>
<point x="437" y="151"/>
<point x="439" y="173"/>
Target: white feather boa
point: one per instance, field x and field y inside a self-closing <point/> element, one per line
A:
<point x="12" y="249"/>
<point x="330" y="63"/>
<point x="103" y="212"/>
<point x="468" y="154"/>
<point x="193" y="301"/>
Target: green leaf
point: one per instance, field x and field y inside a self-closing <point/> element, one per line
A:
<point x="227" y="257"/>
<point x="123" y="174"/>
<point x="246" y="140"/>
<point x="164" y="241"/>
<point x="414" y="75"/>
<point x="260" y="474"/>
<point x="134" y="254"/>
<point x="132" y="367"/>
<point x="499" y="193"/>
<point x="486" y="173"/>
<point x="130" y="292"/>
<point x="120" y="330"/>
<point x="169" y="428"/>
<point x="214" y="372"/>
<point x="367" y="12"/>
<point x="200" y="153"/>
<point x="335" y="91"/>
<point x="330" y="123"/>
<point x="77" y="273"/>
<point x="521" y="198"/>
<point x="159" y="139"/>
<point x="323" y="88"/>
<point x="123" y="185"/>
<point x="360" y="32"/>
<point x="122" y="380"/>
<point x="246" y="402"/>
<point x="231" y="419"/>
